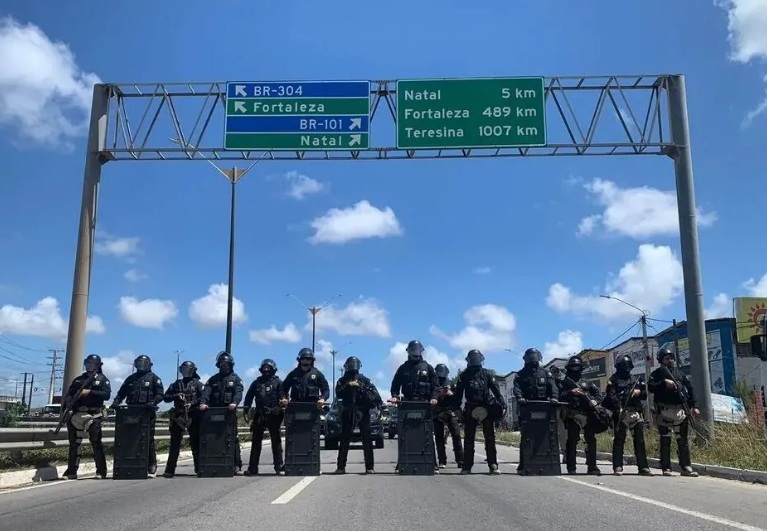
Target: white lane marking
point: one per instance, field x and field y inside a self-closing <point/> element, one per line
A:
<point x="51" y="483"/>
<point x="675" y="508"/>
<point x="294" y="491"/>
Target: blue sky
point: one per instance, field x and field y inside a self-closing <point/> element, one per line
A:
<point x="496" y="254"/>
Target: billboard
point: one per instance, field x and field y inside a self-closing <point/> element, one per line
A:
<point x="634" y="347"/>
<point x="749" y="316"/>
<point x="721" y="352"/>
<point x="598" y="367"/>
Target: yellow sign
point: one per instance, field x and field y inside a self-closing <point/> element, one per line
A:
<point x="750" y="313"/>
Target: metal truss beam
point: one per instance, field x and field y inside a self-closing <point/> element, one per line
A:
<point x="586" y="115"/>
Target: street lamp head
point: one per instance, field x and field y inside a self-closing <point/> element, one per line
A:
<point x="605" y="296"/>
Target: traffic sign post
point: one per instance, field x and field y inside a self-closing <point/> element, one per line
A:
<point x="297" y="116"/>
<point x="471" y="113"/>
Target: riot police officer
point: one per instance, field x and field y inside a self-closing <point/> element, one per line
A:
<point x="558" y="375"/>
<point x="267" y="414"/>
<point x="582" y="398"/>
<point x="445" y="417"/>
<point x="675" y="405"/>
<point x="185" y="393"/>
<point x="83" y="411"/>
<point x="533" y="383"/>
<point x="305" y="383"/>
<point x="624" y="395"/>
<point x="484" y="405"/>
<point x="143" y="388"/>
<point x="358" y="395"/>
<point x="417" y="382"/>
<point x="225" y="390"/>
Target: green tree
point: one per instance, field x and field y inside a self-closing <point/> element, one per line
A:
<point x="12" y="414"/>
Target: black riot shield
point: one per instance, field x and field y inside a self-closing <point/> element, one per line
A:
<point x="539" y="446"/>
<point x="415" y="428"/>
<point x="218" y="432"/>
<point x="302" y="439"/>
<point x="131" y="446"/>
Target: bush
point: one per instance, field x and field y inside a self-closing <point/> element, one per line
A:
<point x="740" y="446"/>
<point x="31" y="459"/>
<point x="12" y="414"/>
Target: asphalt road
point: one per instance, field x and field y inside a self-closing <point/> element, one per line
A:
<point x="385" y="501"/>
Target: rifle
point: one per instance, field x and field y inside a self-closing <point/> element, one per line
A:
<point x="681" y="393"/>
<point x="625" y="404"/>
<point x="66" y="414"/>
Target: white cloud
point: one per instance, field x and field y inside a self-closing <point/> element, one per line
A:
<point x="720" y="307"/>
<point x="209" y="311"/>
<point x="134" y="275"/>
<point x="361" y="221"/>
<point x="748" y="38"/>
<point x="266" y="336"/>
<point x="324" y="360"/>
<point x="301" y="185"/>
<point x="118" y="367"/>
<point x="147" y="313"/>
<point x="44" y="95"/>
<point x="635" y="212"/>
<point x="488" y="328"/>
<point x="482" y="270"/>
<point x="44" y="319"/>
<point x="109" y="245"/>
<point x="756" y="288"/>
<point x="204" y="376"/>
<point x="362" y="318"/>
<point x="651" y="281"/>
<point x="568" y="343"/>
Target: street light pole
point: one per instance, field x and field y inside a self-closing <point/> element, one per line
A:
<point x="233" y="176"/>
<point x="178" y="363"/>
<point x="646" y="351"/>
<point x="314" y="310"/>
<point x="333" y="355"/>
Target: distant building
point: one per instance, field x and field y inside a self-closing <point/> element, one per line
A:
<point x="634" y="347"/>
<point x="598" y="366"/>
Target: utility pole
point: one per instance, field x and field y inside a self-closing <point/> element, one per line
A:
<point x="646" y="348"/>
<point x="332" y="384"/>
<point x="314" y="310"/>
<point x="31" y="389"/>
<point x="54" y="372"/>
<point x="24" y="391"/>
<point x="233" y="176"/>
<point x="178" y="362"/>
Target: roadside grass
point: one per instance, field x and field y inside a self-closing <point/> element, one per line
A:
<point x="31" y="459"/>
<point x="740" y="446"/>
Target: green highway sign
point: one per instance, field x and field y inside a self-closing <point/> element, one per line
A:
<point x="297" y="116"/>
<point x="471" y="113"/>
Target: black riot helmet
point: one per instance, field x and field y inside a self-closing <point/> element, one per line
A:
<point x="352" y="364"/>
<point x="142" y="363"/>
<point x="532" y="357"/>
<point x="662" y="353"/>
<point x="93" y="363"/>
<point x="305" y="358"/>
<point x="187" y="369"/>
<point x="224" y="361"/>
<point x="414" y="350"/>
<point x="441" y="370"/>
<point x="574" y="365"/>
<point x="624" y="363"/>
<point x="474" y="358"/>
<point x="268" y="367"/>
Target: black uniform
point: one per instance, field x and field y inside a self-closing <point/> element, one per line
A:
<point x="143" y="388"/>
<point x="88" y="414"/>
<point x="624" y="396"/>
<point x="225" y="389"/>
<point x="267" y="415"/>
<point x="445" y="417"/>
<point x="358" y="395"/>
<point x="185" y="393"/>
<point x="484" y="405"/>
<point x="533" y="383"/>
<point x="306" y="386"/>
<point x="582" y="397"/>
<point x="416" y="380"/>
<point x="674" y="400"/>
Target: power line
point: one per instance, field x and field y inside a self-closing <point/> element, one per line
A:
<point x="621" y="335"/>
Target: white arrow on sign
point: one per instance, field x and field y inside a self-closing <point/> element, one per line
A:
<point x="239" y="90"/>
<point x="239" y="106"/>
<point x="355" y="139"/>
<point x="356" y="124"/>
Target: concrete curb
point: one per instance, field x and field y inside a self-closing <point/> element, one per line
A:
<point x="722" y="472"/>
<point x="22" y="478"/>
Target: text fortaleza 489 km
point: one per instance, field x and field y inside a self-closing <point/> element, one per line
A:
<point x="471" y="113"/>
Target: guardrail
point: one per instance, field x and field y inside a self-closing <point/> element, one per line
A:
<point x="19" y="439"/>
